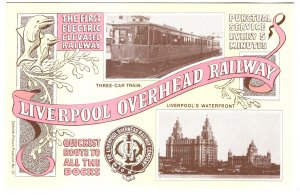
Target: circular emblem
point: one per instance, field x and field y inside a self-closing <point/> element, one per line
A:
<point x="128" y="150"/>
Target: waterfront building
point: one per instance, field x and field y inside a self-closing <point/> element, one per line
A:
<point x="199" y="152"/>
<point x="251" y="159"/>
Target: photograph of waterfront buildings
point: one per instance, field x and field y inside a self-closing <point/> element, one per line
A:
<point x="232" y="144"/>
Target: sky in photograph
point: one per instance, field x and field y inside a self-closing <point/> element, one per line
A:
<point x="199" y="23"/>
<point x="232" y="129"/>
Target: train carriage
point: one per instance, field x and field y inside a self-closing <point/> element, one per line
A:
<point x="146" y="47"/>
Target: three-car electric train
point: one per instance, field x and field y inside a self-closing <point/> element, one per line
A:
<point x="145" y="47"/>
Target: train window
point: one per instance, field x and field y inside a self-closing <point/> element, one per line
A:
<point x="141" y="35"/>
<point x="216" y="43"/>
<point x="157" y="37"/>
<point x="151" y="36"/>
<point x="169" y="39"/>
<point x="164" y="40"/>
<point x="123" y="36"/>
<point x="129" y="37"/>
<point x="174" y="40"/>
<point x="116" y="37"/>
<point x="180" y="40"/>
<point x="108" y="41"/>
<point x="137" y="35"/>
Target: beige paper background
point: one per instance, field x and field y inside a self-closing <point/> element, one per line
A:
<point x="85" y="91"/>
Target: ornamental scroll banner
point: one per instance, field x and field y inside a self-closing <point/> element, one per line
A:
<point x="155" y="94"/>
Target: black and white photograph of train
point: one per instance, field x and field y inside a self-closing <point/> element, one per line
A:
<point x="154" y="45"/>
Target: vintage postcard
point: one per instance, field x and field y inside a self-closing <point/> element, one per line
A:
<point x="149" y="95"/>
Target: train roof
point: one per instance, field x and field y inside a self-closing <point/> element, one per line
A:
<point x="158" y="25"/>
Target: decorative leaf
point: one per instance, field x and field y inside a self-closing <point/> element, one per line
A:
<point x="96" y="71"/>
<point x="95" y="59"/>
<point x="55" y="63"/>
<point x="77" y="74"/>
<point x="87" y="68"/>
<point x="66" y="55"/>
<point x="68" y="86"/>
<point x="76" y="59"/>
<point x="256" y="104"/>
<point x="59" y="85"/>
<point x="76" y="52"/>
<point x="57" y="74"/>
<point x="67" y="132"/>
<point x="60" y="132"/>
<point x="63" y="77"/>
<point x="58" y="142"/>
<point x="74" y="71"/>
<point x="86" y="54"/>
<point x="217" y="87"/>
<point x="227" y="95"/>
<point x="82" y="67"/>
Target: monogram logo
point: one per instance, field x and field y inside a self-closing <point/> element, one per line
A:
<point x="128" y="150"/>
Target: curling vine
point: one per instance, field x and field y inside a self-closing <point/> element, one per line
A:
<point x="52" y="74"/>
<point x="238" y="94"/>
<point x="51" y="137"/>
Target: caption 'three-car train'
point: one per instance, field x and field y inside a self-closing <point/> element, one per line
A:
<point x="146" y="48"/>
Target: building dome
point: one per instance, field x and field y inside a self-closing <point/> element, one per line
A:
<point x="252" y="145"/>
<point x="252" y="150"/>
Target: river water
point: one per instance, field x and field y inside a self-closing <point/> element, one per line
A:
<point x="239" y="177"/>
